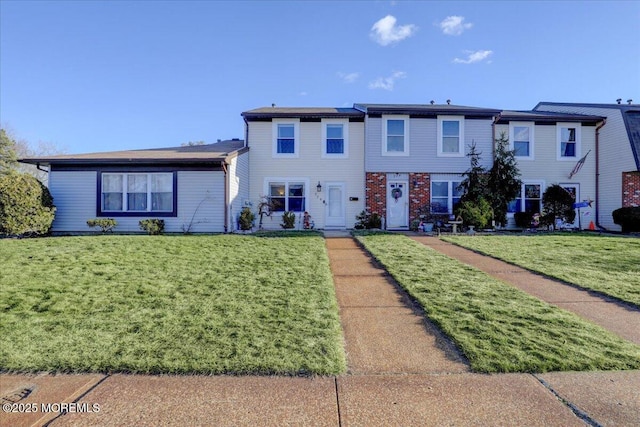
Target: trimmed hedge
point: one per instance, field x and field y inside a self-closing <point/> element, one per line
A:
<point x="26" y="206"/>
<point x="628" y="218"/>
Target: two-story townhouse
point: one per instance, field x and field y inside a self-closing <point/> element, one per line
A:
<point x="550" y="148"/>
<point x="307" y="160"/>
<point x="415" y="155"/>
<point x="617" y="155"/>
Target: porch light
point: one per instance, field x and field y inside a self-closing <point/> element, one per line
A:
<point x="318" y="187"/>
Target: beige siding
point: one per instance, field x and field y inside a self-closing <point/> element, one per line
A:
<point x="200" y="203"/>
<point x="238" y="188"/>
<point x="310" y="167"/>
<point x="548" y="170"/>
<point x="615" y="157"/>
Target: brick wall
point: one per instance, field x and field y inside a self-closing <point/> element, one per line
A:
<point x="376" y="193"/>
<point x="630" y="188"/>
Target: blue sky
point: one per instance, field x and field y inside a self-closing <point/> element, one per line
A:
<point x="99" y="76"/>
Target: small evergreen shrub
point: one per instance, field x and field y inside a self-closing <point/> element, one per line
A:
<point x="105" y="224"/>
<point x="152" y="226"/>
<point x="477" y="214"/>
<point x="628" y="218"/>
<point x="246" y="219"/>
<point x="368" y="221"/>
<point x="26" y="206"/>
<point x="557" y="203"/>
<point x="523" y="219"/>
<point x="288" y="220"/>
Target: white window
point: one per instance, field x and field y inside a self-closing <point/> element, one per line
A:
<point x="286" y="138"/>
<point x="568" y="136"/>
<point x="521" y="139"/>
<point x="335" y="138"/>
<point x="445" y="195"/>
<point x="286" y="195"/>
<point x="137" y="192"/>
<point x="529" y="200"/>
<point x="451" y="136"/>
<point x="395" y="136"/>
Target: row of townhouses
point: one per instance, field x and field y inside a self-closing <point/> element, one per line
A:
<point x="333" y="163"/>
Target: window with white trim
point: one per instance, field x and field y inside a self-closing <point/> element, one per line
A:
<point x="445" y="195"/>
<point x="568" y="135"/>
<point x="395" y="136"/>
<point x="335" y="139"/>
<point x="137" y="192"/>
<point x="529" y="200"/>
<point x="287" y="196"/>
<point x="285" y="138"/>
<point x="451" y="136"/>
<point x="521" y="139"/>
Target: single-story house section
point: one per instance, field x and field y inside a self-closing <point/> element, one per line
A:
<point x="198" y="189"/>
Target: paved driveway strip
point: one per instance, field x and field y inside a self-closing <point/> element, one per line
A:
<point x="619" y="318"/>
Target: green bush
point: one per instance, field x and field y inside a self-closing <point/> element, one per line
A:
<point x="26" y="206"/>
<point x="368" y="221"/>
<point x="288" y="220"/>
<point x="152" y="226"/>
<point x="557" y="203"/>
<point x="628" y="218"/>
<point x="477" y="214"/>
<point x="105" y="224"/>
<point x="523" y="219"/>
<point x="246" y="219"/>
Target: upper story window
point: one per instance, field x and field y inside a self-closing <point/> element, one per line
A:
<point x="285" y="138"/>
<point x="521" y="139"/>
<point x="335" y="140"/>
<point x="445" y="195"/>
<point x="136" y="193"/>
<point x="395" y="138"/>
<point x="568" y="135"/>
<point x="451" y="136"/>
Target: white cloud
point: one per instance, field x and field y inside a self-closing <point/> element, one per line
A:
<point x="303" y="94"/>
<point x="387" y="83"/>
<point x="349" y="77"/>
<point x="454" y="25"/>
<point x="385" y="31"/>
<point x="477" y="56"/>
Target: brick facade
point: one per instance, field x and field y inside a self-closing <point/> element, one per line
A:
<point x="376" y="193"/>
<point x="630" y="188"/>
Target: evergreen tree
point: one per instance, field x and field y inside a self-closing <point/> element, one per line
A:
<point x="8" y="156"/>
<point x="504" y="182"/>
<point x="558" y="203"/>
<point x="474" y="184"/>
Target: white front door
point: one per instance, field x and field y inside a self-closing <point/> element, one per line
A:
<point x="335" y="214"/>
<point x="574" y="190"/>
<point x="397" y="204"/>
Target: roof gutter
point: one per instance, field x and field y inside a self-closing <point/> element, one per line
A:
<point x="224" y="165"/>
<point x="604" y="122"/>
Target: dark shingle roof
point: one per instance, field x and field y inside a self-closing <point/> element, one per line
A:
<point x="427" y="109"/>
<point x="207" y="153"/>
<point x="546" y="117"/>
<point x="301" y="112"/>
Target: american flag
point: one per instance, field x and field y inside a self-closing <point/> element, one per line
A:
<point x="578" y="165"/>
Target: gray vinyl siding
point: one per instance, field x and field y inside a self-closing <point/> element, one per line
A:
<point x="615" y="157"/>
<point x="423" y="147"/>
<point x="238" y="187"/>
<point x="200" y="202"/>
<point x="74" y="195"/>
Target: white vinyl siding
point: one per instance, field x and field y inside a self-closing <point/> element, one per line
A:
<point x="310" y="166"/>
<point x="238" y="188"/>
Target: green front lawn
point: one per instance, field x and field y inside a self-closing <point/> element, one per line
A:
<point x="610" y="265"/>
<point x="497" y="327"/>
<point x="169" y="304"/>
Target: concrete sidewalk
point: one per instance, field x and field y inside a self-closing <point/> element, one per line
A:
<point x="402" y="371"/>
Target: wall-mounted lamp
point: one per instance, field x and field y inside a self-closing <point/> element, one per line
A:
<point x="319" y="187"/>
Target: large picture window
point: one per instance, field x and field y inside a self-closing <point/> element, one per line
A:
<point x="287" y="196"/>
<point x="137" y="193"/>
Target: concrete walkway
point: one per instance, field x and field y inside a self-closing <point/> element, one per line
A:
<point x="617" y="317"/>
<point x="401" y="371"/>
